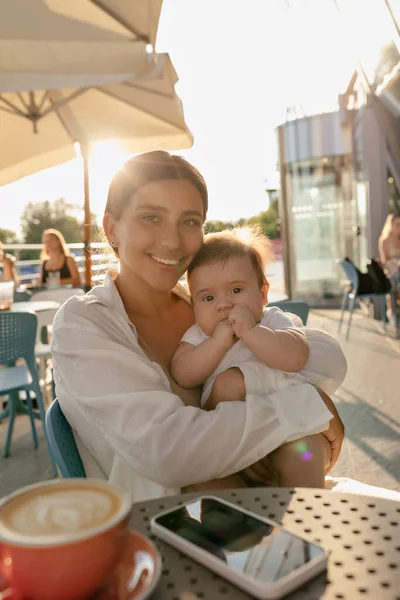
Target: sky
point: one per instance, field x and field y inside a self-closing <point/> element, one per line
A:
<point x="240" y="64"/>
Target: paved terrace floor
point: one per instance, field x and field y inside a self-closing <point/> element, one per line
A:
<point x="368" y="403"/>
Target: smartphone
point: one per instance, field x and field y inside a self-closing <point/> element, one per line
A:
<point x="254" y="553"/>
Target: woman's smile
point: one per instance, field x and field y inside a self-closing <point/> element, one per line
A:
<point x="168" y="262"/>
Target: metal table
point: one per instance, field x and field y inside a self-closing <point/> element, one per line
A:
<point x="361" y="532"/>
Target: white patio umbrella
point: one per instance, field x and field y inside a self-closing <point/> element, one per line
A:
<point x="38" y="128"/>
<point x="95" y="82"/>
<point x="137" y="18"/>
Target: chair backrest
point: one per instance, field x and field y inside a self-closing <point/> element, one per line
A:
<point x="22" y="296"/>
<point x="17" y="336"/>
<point x="351" y="273"/>
<point x="297" y="307"/>
<point x="57" y="295"/>
<point x="62" y="443"/>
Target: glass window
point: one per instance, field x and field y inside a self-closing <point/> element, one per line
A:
<point x="316" y="196"/>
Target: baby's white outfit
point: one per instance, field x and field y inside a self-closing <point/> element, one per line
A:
<point x="259" y="379"/>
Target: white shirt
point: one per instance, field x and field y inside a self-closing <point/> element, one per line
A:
<point x="131" y="429"/>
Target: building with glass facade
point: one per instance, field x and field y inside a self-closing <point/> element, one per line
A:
<point x="340" y="172"/>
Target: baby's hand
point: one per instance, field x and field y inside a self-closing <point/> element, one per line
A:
<point x="224" y="334"/>
<point x="242" y="319"/>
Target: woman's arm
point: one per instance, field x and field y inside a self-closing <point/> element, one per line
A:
<point x="41" y="281"/>
<point x="75" y="278"/>
<point x="326" y="367"/>
<point x="384" y="251"/>
<point x="391" y="264"/>
<point x="10" y="273"/>
<point x="114" y="392"/>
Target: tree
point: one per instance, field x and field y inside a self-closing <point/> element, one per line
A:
<point x="216" y="226"/>
<point x="49" y="215"/>
<point x="268" y="220"/>
<point x="7" y="236"/>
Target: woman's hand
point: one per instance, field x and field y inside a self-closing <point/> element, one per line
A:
<point x="335" y="431"/>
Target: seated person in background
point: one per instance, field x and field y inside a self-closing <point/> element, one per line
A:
<point x="239" y="347"/>
<point x="389" y="248"/>
<point x="56" y="259"/>
<point x="7" y="268"/>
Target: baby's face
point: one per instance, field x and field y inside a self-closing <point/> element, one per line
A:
<point x="216" y="288"/>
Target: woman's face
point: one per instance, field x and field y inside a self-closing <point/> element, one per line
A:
<point x="51" y="242"/>
<point x="159" y="232"/>
<point x="396" y="227"/>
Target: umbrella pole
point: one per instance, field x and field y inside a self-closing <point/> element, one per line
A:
<point x="87" y="228"/>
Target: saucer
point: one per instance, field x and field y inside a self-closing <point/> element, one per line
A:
<point x="137" y="573"/>
<point x="134" y="578"/>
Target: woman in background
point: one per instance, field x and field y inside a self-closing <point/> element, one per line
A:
<point x="7" y="269"/>
<point x="56" y="258"/>
<point x="389" y="248"/>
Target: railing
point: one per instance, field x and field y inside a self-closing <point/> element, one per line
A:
<point x="101" y="261"/>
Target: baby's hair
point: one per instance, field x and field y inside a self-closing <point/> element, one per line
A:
<point x="235" y="243"/>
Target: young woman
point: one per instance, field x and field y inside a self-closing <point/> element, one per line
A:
<point x="57" y="259"/>
<point x="389" y="247"/>
<point x="113" y="347"/>
<point x="7" y="268"/>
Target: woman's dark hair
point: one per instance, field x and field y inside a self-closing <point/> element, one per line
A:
<point x="146" y="168"/>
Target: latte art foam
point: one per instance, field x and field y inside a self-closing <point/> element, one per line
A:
<point x="59" y="512"/>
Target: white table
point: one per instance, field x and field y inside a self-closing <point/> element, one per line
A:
<point x="35" y="306"/>
<point x="45" y="310"/>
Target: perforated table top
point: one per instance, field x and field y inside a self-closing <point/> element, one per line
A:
<point x="362" y="534"/>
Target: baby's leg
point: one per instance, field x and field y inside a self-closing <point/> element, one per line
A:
<point x="302" y="463"/>
<point x="228" y="387"/>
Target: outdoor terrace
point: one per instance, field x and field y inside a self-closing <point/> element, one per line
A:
<point x="367" y="402"/>
<point x="29" y="270"/>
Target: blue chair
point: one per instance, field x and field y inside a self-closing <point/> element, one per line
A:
<point x="62" y="443"/>
<point x="22" y="296"/>
<point x="299" y="308"/>
<point x="351" y="293"/>
<point x="17" y="340"/>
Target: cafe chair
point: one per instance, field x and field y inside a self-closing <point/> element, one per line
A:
<point x="297" y="307"/>
<point x="61" y="295"/>
<point x="350" y="293"/>
<point x="62" y="443"/>
<point x="22" y="295"/>
<point x="17" y="341"/>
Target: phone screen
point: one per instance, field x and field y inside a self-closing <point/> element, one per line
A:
<point x="246" y="544"/>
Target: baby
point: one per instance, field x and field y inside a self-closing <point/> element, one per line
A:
<point x="239" y="347"/>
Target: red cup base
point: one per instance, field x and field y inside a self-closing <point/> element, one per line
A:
<point x="135" y="577"/>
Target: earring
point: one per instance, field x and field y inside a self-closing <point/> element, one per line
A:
<point x="113" y="243"/>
